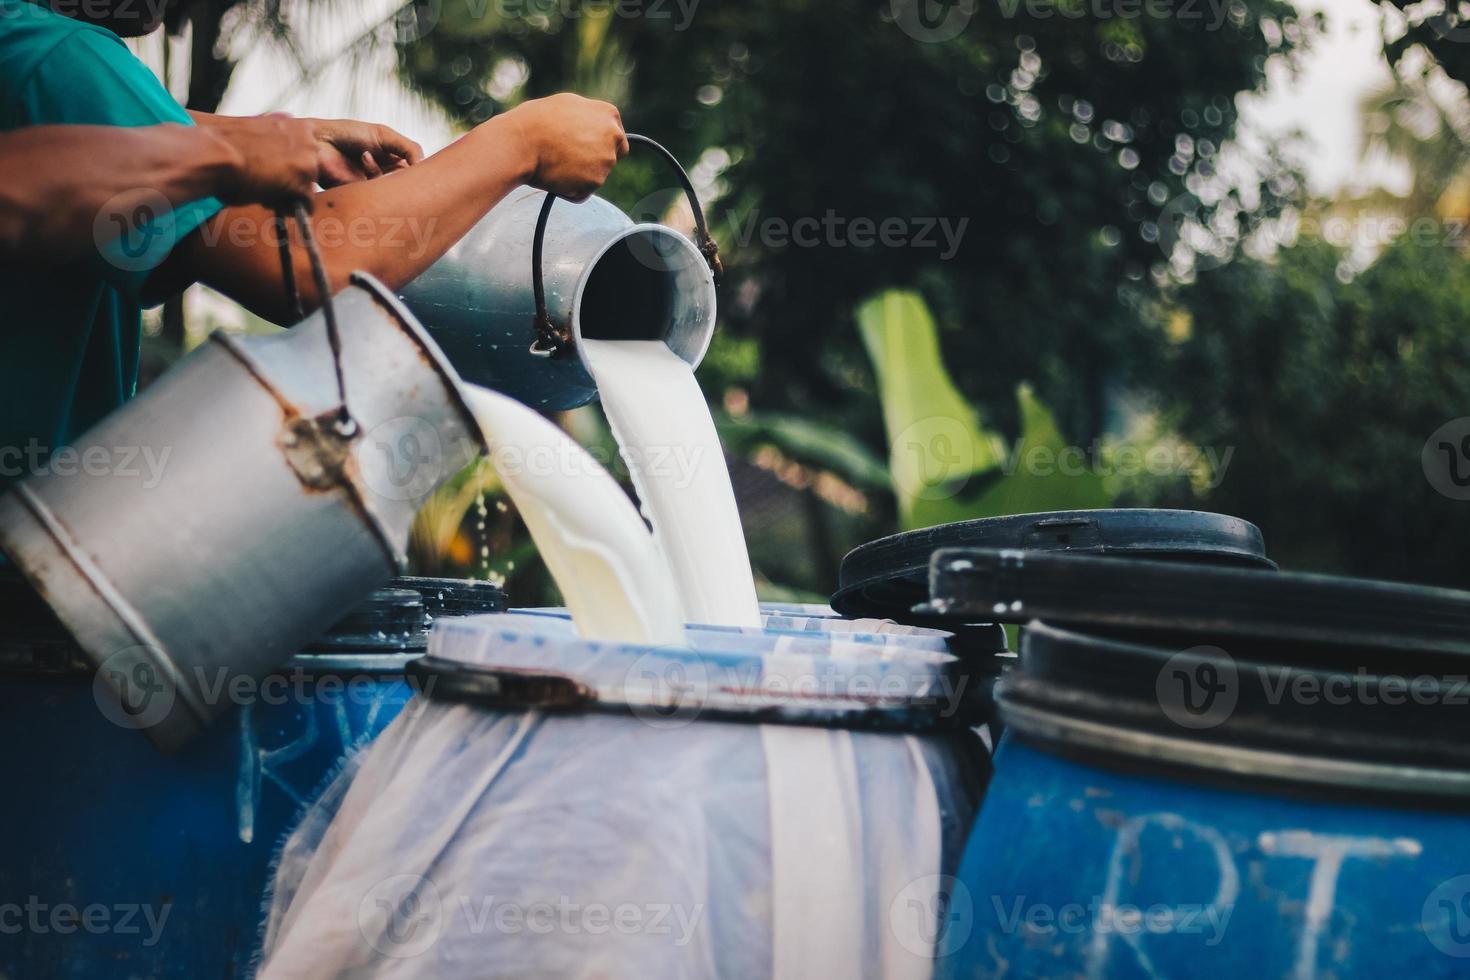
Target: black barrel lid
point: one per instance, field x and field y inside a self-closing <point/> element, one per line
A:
<point x="1306" y="616"/>
<point x="453" y="596"/>
<point x="890" y="576"/>
<point x="1240" y="710"/>
<point x="22" y="610"/>
<point x="389" y="619"/>
<point x="31" y="637"/>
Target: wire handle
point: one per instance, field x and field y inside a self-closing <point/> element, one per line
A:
<point x="345" y="425"/>
<point x="553" y="340"/>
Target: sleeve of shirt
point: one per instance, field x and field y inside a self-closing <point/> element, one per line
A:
<point x="91" y="78"/>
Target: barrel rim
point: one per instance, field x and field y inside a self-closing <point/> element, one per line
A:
<point x="890" y="575"/>
<point x="1093" y="738"/>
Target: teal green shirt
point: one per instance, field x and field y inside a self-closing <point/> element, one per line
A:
<point x="69" y="335"/>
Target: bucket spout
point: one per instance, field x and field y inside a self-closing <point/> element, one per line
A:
<point x="511" y="301"/>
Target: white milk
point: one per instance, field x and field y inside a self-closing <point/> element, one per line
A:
<point x="660" y="420"/>
<point x="610" y="571"/>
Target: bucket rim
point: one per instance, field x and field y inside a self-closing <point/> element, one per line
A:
<point x="435" y="355"/>
<point x="707" y="286"/>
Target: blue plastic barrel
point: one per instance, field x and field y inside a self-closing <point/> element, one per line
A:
<point x="118" y="861"/>
<point x="1227" y="818"/>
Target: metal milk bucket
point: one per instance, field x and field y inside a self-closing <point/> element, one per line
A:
<point x="273" y="514"/>
<point x="509" y="302"/>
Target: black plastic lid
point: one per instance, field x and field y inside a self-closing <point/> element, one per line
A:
<point x="1304" y="618"/>
<point x="22" y="610"/>
<point x="389" y="619"/>
<point x="890" y="576"/>
<point x="31" y="637"/>
<point x="454" y="596"/>
<point x="1239" y="710"/>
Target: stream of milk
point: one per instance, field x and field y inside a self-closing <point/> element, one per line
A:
<point x="659" y="417"/>
<point x="610" y="571"/>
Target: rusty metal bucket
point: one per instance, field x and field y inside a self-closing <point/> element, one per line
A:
<point x="510" y="301"/>
<point x="274" y="511"/>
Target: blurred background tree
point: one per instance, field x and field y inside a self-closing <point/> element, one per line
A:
<point x="1329" y="391"/>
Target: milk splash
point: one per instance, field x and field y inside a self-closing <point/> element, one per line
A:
<point x="609" y="569"/>
<point x="657" y="411"/>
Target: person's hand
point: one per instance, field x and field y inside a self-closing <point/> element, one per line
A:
<point x="572" y="143"/>
<point x="276" y="158"/>
<point x="348" y="151"/>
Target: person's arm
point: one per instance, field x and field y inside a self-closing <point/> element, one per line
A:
<point x="396" y="226"/>
<point x="65" y="187"/>
<point x="347" y="150"/>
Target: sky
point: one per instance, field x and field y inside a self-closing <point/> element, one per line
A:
<point x="1322" y="100"/>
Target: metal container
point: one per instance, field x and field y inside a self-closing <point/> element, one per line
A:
<point x="267" y="520"/>
<point x="603" y="278"/>
<point x="174" y="853"/>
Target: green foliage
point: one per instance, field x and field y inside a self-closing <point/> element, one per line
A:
<point x="811" y="443"/>
<point x="1326" y="392"/>
<point x="945" y="465"/>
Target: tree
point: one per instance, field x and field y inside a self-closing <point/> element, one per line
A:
<point x="1056" y="136"/>
<point x="1324" y="393"/>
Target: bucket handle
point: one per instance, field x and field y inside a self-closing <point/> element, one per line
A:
<point x="552" y="340"/>
<point x="344" y="424"/>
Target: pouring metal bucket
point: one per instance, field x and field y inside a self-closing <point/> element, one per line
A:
<point x="510" y="302"/>
<point x="180" y="591"/>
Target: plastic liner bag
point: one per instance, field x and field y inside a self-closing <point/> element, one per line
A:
<point x="626" y="839"/>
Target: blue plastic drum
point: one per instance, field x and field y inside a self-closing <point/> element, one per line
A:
<point x="119" y="861"/>
<point x="1188" y="813"/>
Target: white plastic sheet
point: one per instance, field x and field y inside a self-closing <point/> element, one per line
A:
<point x="468" y="842"/>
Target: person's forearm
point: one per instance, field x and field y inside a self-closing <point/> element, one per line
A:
<point x="65" y="185"/>
<point x="393" y="227"/>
